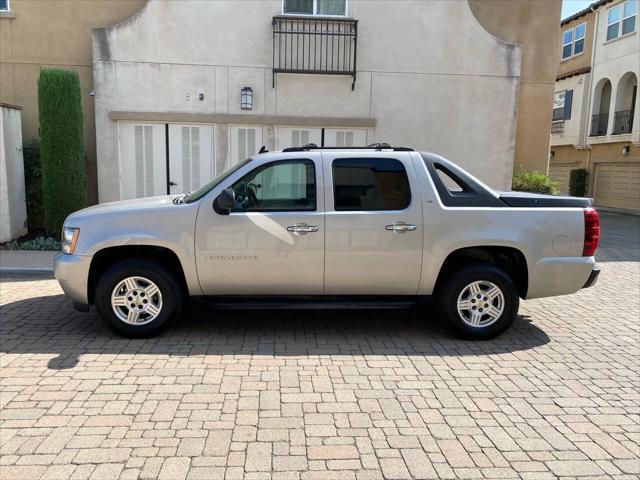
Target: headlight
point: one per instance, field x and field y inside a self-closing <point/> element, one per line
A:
<point x="69" y="239"/>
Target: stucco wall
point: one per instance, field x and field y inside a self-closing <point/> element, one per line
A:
<point x="13" y="207"/>
<point x="575" y="128"/>
<point x="583" y="59"/>
<point x="534" y="24"/>
<point x="41" y="33"/>
<point x="429" y="75"/>
<point x="613" y="60"/>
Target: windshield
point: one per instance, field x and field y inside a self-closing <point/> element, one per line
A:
<point x="202" y="191"/>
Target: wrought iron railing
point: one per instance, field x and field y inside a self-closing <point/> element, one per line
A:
<point x="599" y="123"/>
<point x="315" y="45"/>
<point x="622" y="122"/>
<point x="557" y="126"/>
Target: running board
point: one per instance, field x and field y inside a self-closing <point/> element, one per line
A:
<point x="310" y="303"/>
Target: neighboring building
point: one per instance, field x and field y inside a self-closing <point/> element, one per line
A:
<point x="186" y="89"/>
<point x="44" y="33"/>
<point x="596" y="119"/>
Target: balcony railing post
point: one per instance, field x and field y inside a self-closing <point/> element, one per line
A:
<point x="623" y="122"/>
<point x="599" y="123"/>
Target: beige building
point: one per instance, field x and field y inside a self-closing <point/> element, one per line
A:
<point x="425" y="74"/>
<point x="459" y="78"/>
<point x="44" y="33"/>
<point x="596" y="120"/>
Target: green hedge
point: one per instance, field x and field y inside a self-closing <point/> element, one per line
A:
<point x="33" y="184"/>
<point x="61" y="146"/>
<point x="535" y="182"/>
<point x="578" y="182"/>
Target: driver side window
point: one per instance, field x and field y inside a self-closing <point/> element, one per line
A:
<point x="283" y="186"/>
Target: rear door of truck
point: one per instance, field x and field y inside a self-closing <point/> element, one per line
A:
<point x="373" y="224"/>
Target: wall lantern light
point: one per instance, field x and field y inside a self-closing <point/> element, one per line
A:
<point x="246" y="98"/>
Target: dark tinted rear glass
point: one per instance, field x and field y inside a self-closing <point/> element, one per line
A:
<point x="370" y="184"/>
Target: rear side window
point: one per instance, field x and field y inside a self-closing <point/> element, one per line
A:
<point x="370" y="184"/>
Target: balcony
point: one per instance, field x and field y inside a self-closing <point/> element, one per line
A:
<point x="599" y="123"/>
<point x="315" y="45"/>
<point x="557" y="127"/>
<point x="622" y="122"/>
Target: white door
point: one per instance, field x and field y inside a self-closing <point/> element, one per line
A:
<point x="143" y="160"/>
<point x="298" y="137"/>
<point x="335" y="137"/>
<point x="245" y="141"/>
<point x="191" y="162"/>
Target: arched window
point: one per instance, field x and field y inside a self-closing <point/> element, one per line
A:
<point x="601" y="102"/>
<point x="626" y="94"/>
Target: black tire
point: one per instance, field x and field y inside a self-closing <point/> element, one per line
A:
<point x="452" y="287"/>
<point x="172" y="296"/>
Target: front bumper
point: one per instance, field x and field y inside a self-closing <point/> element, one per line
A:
<point x="72" y="273"/>
<point x="593" y="278"/>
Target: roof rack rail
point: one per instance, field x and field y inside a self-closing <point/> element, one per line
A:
<point x="373" y="146"/>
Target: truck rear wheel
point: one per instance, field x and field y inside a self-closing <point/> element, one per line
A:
<point x="479" y="301"/>
<point x="138" y="298"/>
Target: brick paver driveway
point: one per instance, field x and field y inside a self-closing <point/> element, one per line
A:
<point x="327" y="395"/>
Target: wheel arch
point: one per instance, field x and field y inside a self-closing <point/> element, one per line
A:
<point x="106" y="257"/>
<point x="509" y="259"/>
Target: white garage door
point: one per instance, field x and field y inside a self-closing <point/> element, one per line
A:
<point x="617" y="185"/>
<point x="560" y="173"/>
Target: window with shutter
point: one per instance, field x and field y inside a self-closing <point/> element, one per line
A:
<point x="568" y="100"/>
<point x="298" y="137"/>
<point x="245" y="141"/>
<point x="142" y="153"/>
<point x="144" y="160"/>
<point x="334" y="137"/>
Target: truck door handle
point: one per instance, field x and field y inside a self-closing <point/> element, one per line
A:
<point x="400" y="227"/>
<point x="302" y="228"/>
<point x="172" y="184"/>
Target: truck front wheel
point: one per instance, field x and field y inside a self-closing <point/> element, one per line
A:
<point x="479" y="301"/>
<point x="138" y="298"/>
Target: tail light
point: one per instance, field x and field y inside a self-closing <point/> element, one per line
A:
<point x="591" y="232"/>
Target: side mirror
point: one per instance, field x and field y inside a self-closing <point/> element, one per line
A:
<point x="225" y="202"/>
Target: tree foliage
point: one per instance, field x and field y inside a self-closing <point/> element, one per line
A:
<point x="61" y="146"/>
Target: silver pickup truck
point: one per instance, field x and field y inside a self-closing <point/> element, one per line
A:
<point x="330" y="227"/>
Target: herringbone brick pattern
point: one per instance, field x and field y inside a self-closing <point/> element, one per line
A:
<point x="327" y="395"/>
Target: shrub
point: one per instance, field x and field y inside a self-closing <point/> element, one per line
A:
<point x="33" y="184"/>
<point x="61" y="146"/>
<point x="535" y="182"/>
<point x="578" y="182"/>
<point x="38" y="243"/>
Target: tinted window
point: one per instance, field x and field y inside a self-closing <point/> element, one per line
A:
<point x="370" y="184"/>
<point x="278" y="186"/>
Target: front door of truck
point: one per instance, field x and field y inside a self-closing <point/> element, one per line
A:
<point x="272" y="243"/>
<point x="373" y="224"/>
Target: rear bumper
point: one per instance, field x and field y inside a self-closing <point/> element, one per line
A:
<point x="72" y="273"/>
<point x="593" y="278"/>
<point x="552" y="276"/>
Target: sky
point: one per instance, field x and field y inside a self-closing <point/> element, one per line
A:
<point x="569" y="7"/>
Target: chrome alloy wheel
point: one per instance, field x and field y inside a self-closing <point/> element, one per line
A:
<point x="136" y="300"/>
<point x="480" y="303"/>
